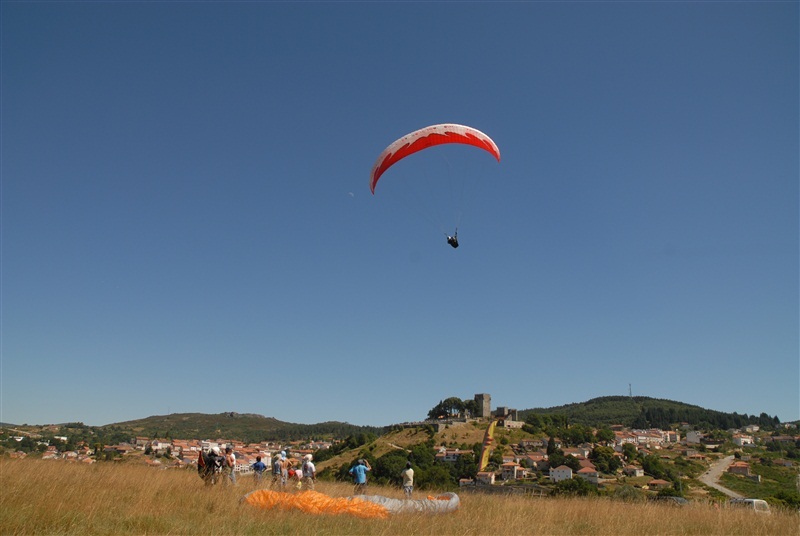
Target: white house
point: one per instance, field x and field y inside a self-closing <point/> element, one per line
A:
<point x="562" y="472"/>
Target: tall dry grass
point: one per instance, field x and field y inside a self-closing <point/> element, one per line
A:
<point x="52" y="497"/>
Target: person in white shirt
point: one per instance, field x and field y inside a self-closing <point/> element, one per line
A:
<point x="408" y="480"/>
<point x="309" y="472"/>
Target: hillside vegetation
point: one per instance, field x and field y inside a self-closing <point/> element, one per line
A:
<point x="645" y="412"/>
<point x="246" y="427"/>
<point x="464" y="435"/>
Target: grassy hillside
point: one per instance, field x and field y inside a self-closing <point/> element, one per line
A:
<point x="461" y="435"/>
<point x="406" y="438"/>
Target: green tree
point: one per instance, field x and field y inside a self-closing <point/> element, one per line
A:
<point x="654" y="467"/>
<point x="604" y="459"/>
<point x="576" y="435"/>
<point x="534" y="423"/>
<point x="559" y="420"/>
<point x="422" y="455"/>
<point x="551" y="446"/>
<point x="26" y="445"/>
<point x="448" y="408"/>
<point x="788" y="499"/>
<point x="630" y="452"/>
<point x="436" y="476"/>
<point x="387" y="468"/>
<point x="641" y="422"/>
<point x="605" y="435"/>
<point x="557" y="459"/>
<point x="471" y="407"/>
<point x="465" y="466"/>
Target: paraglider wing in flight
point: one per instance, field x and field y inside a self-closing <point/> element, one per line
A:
<point x="428" y="137"/>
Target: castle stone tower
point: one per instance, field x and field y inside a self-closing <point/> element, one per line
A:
<point x="484" y="405"/>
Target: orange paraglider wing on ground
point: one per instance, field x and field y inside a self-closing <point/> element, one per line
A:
<point x="365" y="506"/>
<point x="312" y="502"/>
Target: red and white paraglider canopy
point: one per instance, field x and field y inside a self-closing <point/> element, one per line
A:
<point x="428" y="137"/>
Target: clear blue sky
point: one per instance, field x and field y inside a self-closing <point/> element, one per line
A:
<point x="187" y="224"/>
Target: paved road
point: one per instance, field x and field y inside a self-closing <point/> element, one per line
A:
<point x="711" y="477"/>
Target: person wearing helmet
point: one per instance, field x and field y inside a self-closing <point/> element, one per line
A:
<point x="453" y="240"/>
<point x="213" y="465"/>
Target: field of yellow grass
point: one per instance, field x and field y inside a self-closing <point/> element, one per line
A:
<point x="55" y="497"/>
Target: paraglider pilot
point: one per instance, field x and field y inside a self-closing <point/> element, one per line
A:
<point x="453" y="240"/>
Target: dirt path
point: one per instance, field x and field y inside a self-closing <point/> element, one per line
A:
<point x="711" y="477"/>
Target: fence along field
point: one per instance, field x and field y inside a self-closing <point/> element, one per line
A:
<point x="56" y="497"/>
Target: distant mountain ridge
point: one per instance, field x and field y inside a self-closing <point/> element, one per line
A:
<point x="247" y="427"/>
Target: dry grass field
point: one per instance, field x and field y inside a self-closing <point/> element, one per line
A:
<point x="54" y="497"/>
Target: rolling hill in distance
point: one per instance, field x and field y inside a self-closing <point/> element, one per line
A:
<point x="639" y="412"/>
<point x="634" y="412"/>
<point x="645" y="412"/>
<point x="248" y="427"/>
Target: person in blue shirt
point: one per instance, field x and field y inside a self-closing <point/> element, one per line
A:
<point x="359" y="473"/>
<point x="258" y="469"/>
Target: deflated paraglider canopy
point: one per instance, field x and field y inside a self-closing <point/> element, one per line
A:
<point x="364" y="506"/>
<point x="428" y="137"/>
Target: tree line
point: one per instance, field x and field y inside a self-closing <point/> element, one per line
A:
<point x="645" y="412"/>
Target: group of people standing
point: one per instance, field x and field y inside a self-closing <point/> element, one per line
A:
<point x="213" y="465"/>
<point x="284" y="470"/>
